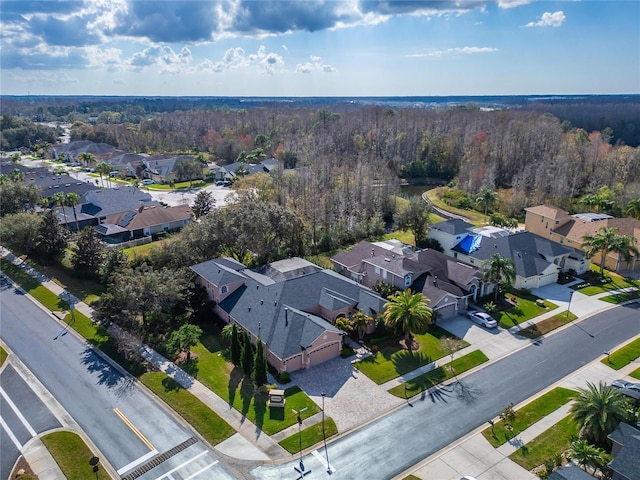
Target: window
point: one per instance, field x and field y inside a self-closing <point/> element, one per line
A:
<point x="407" y="281"/>
<point x="377" y="270"/>
<point x="224" y="289"/>
<point x="384" y="274"/>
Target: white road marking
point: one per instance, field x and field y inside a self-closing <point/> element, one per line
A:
<point x="202" y="470"/>
<point x="323" y="461"/>
<point x="31" y="431"/>
<point x="182" y="465"/>
<point x="10" y="433"/>
<point x="137" y="462"/>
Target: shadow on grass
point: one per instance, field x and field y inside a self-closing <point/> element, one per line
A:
<point x="170" y="385"/>
<point x="190" y="367"/>
<point x="246" y="393"/>
<point x="260" y="407"/>
<point x="405" y="362"/>
<point x="235" y="377"/>
<point x="276" y="413"/>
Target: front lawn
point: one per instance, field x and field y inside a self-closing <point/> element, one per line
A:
<point x="594" y="284"/>
<point x="72" y="456"/>
<point x="623" y="356"/>
<point x="310" y="436"/>
<point x="438" y="375"/>
<point x="550" y="443"/>
<point x="547" y="325"/>
<point x="391" y="360"/>
<point x="215" y="371"/>
<point x="528" y="415"/>
<point x="621" y="297"/>
<point x="635" y="373"/>
<point x="207" y="422"/>
<point x="525" y="308"/>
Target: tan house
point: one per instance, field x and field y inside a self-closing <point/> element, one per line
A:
<point x="561" y="227"/>
<point x="290" y="305"/>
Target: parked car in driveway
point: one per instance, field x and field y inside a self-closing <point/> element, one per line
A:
<point x="148" y="181"/>
<point x="621" y="383"/>
<point x="482" y="318"/>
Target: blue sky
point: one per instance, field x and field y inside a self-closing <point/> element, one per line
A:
<point x="319" y="47"/>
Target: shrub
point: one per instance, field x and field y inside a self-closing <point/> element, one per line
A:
<point x="284" y="377"/>
<point x="347" y="352"/>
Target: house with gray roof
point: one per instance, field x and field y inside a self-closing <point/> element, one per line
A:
<point x="291" y="306"/>
<point x="448" y="283"/>
<point x="626" y="452"/>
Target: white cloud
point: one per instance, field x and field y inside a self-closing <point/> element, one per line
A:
<point x="236" y="58"/>
<point x="548" y="19"/>
<point x="512" y="3"/>
<point x="455" y="51"/>
<point x="313" y="65"/>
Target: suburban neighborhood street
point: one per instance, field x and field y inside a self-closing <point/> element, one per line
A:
<point x="394" y="443"/>
<point x="126" y="425"/>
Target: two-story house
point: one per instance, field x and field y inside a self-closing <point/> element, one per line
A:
<point x="561" y="227"/>
<point x="290" y="305"/>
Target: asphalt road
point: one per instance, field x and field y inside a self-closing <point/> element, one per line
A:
<point x="396" y="442"/>
<point x="128" y="426"/>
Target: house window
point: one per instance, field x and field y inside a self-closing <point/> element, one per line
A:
<point x="384" y="274"/>
<point x="377" y="270"/>
<point x="165" y="228"/>
<point x="224" y="289"/>
<point x="407" y="281"/>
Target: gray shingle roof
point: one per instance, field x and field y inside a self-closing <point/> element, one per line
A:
<point x="572" y="472"/>
<point x="108" y="201"/>
<point x="454" y="226"/>
<point x="259" y="306"/>
<point x="627" y="461"/>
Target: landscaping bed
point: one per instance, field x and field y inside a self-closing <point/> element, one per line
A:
<point x="547" y="325"/>
<point x="438" y="375"/>
<point x="528" y="415"/>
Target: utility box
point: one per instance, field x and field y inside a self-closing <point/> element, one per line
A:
<point x="276" y="398"/>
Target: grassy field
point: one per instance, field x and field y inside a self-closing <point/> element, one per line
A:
<point x="391" y="360"/>
<point x="550" y="443"/>
<point x="438" y="375"/>
<point x="547" y="325"/>
<point x="623" y="356"/>
<point x="3" y="356"/>
<point x="208" y="423"/>
<point x="528" y="415"/>
<point x="474" y="217"/>
<point x="310" y="436"/>
<point x="72" y="456"/>
<point x="525" y="309"/>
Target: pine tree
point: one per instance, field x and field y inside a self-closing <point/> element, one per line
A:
<point x="88" y="252"/>
<point x="235" y="346"/>
<point x="247" y="354"/>
<point x="52" y="238"/>
<point x="259" y="366"/>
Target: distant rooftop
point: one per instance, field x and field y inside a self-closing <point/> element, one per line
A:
<point x="592" y="217"/>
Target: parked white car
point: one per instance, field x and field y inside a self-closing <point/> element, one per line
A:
<point x="482" y="318"/>
<point x="148" y="181"/>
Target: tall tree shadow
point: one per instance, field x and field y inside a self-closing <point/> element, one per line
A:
<point x="235" y="377"/>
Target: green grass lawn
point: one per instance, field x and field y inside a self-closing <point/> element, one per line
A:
<point x="636" y="373"/>
<point x="528" y="415"/>
<point x="216" y="372"/>
<point x="614" y="282"/>
<point x="617" y="298"/>
<point x="3" y="356"/>
<point x="310" y="436"/>
<point x="42" y="294"/>
<point x="547" y="445"/>
<point x="525" y="309"/>
<point x="434" y="195"/>
<point x="623" y="356"/>
<point x="140" y="251"/>
<point x="86" y="289"/>
<point x="72" y="456"/>
<point x="177" y="186"/>
<point x="207" y="422"/>
<point x="391" y="361"/>
<point x="545" y="326"/>
<point x="438" y="375"/>
<point x="405" y="236"/>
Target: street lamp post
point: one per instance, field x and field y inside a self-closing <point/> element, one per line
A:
<point x="300" y="470"/>
<point x="569" y="306"/>
<point x="406" y="397"/>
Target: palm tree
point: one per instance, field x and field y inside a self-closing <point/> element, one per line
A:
<point x="585" y="454"/>
<point x="486" y="197"/>
<point x="633" y="208"/>
<point x="16" y="175"/>
<point x="606" y="241"/>
<point x="103" y="168"/>
<point x="60" y="198"/>
<point x="87" y="158"/>
<point x="598" y="410"/>
<point x="589" y="201"/>
<point x="360" y="321"/>
<point x="71" y="200"/>
<point x="500" y="270"/>
<point x="408" y="312"/>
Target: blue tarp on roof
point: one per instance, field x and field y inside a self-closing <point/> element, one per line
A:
<point x="469" y="244"/>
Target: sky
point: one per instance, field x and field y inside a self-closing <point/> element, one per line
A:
<point x="319" y="47"/>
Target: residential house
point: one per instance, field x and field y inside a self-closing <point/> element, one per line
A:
<point x="569" y="472"/>
<point x="144" y="221"/>
<point x="290" y="305"/>
<point x="72" y="150"/>
<point x="537" y="260"/>
<point x="626" y="452"/>
<point x="561" y="227"/>
<point x="449" y="284"/>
